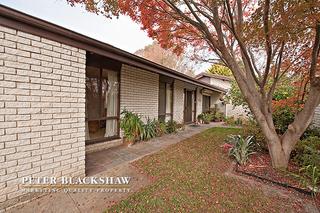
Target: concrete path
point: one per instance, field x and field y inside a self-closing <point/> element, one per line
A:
<point x="106" y="163"/>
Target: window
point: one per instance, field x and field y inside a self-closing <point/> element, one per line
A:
<point x="102" y="95"/>
<point x="165" y="101"/>
<point x="205" y="103"/>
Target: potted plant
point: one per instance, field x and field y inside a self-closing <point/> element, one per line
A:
<point x="132" y="127"/>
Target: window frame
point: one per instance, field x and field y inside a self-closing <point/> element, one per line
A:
<point x="104" y="118"/>
<point x="203" y="107"/>
<point x="160" y="115"/>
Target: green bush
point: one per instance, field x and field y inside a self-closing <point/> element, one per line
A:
<point x="282" y="117"/>
<point x="160" y="128"/>
<point x="171" y="126"/>
<point x="242" y="148"/>
<point x="307" y="152"/>
<point x="252" y="128"/>
<point x="149" y="130"/>
<point x="231" y="121"/>
<point x="132" y="126"/>
<point x="219" y="116"/>
<point x="311" y="132"/>
<point x="205" y="117"/>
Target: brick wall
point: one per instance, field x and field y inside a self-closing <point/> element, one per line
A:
<point x="139" y="91"/>
<point x="199" y="102"/>
<point x="178" y="101"/>
<point x="316" y="118"/>
<point x="42" y="110"/>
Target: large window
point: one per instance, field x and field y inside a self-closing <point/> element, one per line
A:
<point x="205" y="103"/>
<point x="165" y="101"/>
<point x="102" y="99"/>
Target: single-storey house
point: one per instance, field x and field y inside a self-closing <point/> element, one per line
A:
<point x="222" y="105"/>
<point x="61" y="93"/>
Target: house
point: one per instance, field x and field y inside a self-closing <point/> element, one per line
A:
<point x="61" y="94"/>
<point x="222" y="82"/>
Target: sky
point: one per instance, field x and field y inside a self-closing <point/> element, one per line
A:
<point x="122" y="33"/>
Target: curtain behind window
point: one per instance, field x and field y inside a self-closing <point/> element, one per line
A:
<point x="111" y="103"/>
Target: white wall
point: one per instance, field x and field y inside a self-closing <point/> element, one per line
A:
<point x="220" y="83"/>
<point x="42" y="111"/>
<point x="178" y="101"/>
<point x="139" y="91"/>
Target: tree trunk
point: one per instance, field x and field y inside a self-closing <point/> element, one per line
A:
<point x="278" y="153"/>
<point x="279" y="158"/>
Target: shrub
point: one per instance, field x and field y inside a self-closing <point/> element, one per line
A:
<point x="311" y="132"/>
<point x="219" y="116"/>
<point x="132" y="126"/>
<point x="307" y="152"/>
<point x="282" y="117"/>
<point x="252" y="128"/>
<point x="160" y="128"/>
<point x="171" y="127"/>
<point x="205" y="117"/>
<point x="200" y="117"/>
<point x="230" y="121"/>
<point x="238" y="122"/>
<point x="149" y="130"/>
<point x="242" y="148"/>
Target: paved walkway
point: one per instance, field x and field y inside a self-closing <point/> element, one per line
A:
<point x="107" y="163"/>
<point x="104" y="160"/>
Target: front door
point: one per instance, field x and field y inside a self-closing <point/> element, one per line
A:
<point x="188" y="106"/>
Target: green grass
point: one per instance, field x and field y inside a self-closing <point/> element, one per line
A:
<point x="189" y="176"/>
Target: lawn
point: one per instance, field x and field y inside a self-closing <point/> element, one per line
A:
<point x="189" y="176"/>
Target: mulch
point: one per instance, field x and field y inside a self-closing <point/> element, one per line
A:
<point x="260" y="164"/>
<point x="259" y="167"/>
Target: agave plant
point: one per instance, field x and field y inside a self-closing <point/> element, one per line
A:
<point x="242" y="148"/>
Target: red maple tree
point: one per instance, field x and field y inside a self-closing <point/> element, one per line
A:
<point x="257" y="40"/>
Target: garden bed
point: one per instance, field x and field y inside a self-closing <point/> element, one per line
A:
<point x="259" y="167"/>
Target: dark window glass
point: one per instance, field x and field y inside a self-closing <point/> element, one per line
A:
<point x="102" y="98"/>
<point x="205" y="103"/>
<point x="165" y="101"/>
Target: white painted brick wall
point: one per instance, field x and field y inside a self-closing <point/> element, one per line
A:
<point x="42" y="102"/>
<point x="199" y="102"/>
<point x="316" y="118"/>
<point x="139" y="91"/>
<point x="178" y="101"/>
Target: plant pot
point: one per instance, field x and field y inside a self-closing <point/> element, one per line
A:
<point x="128" y="142"/>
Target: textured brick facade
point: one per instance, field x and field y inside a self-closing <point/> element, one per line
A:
<point x="139" y="91"/>
<point x="316" y="118"/>
<point x="199" y="102"/>
<point x="42" y="110"/>
<point x="178" y="101"/>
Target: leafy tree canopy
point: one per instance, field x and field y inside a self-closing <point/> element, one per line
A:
<point x="260" y="41"/>
<point x="219" y="70"/>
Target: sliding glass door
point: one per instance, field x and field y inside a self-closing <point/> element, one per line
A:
<point x="102" y="100"/>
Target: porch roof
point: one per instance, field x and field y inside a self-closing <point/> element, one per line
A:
<point x="30" y="24"/>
